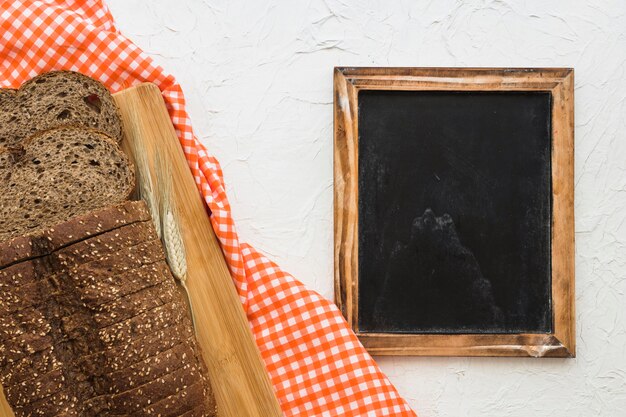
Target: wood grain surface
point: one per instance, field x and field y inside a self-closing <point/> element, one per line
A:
<point x="5" y="408"/>
<point x="238" y="376"/>
<point x="559" y="82"/>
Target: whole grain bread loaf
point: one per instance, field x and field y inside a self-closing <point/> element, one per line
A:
<point x="101" y="327"/>
<point x="58" y="174"/>
<point x="53" y="99"/>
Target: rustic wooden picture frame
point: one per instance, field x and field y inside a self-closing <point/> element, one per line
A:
<point x="559" y="82"/>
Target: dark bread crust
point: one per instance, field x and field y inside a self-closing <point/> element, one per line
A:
<point x="29" y="320"/>
<point x="137" y="398"/>
<point x="23" y="273"/>
<point x="178" y="403"/>
<point x="30" y="367"/>
<point x="94" y="291"/>
<point x="99" y="359"/>
<point x="99" y="252"/>
<point x="81" y="335"/>
<point x="136" y="303"/>
<point x="54" y="99"/>
<point x="148" y="255"/>
<point x="100" y="328"/>
<point x="24" y="297"/>
<point x="141" y="373"/>
<point x="46" y="241"/>
<point x="143" y="324"/>
<point x="41" y="388"/>
<point x="13" y="350"/>
<point x="60" y="404"/>
<point x="26" y="282"/>
<point x="141" y="348"/>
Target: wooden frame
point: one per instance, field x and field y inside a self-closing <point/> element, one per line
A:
<point x="557" y="81"/>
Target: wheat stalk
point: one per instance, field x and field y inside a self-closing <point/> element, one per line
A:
<point x="164" y="215"/>
<point x="171" y="234"/>
<point x="175" y="254"/>
<point x="172" y="238"/>
<point x="145" y="185"/>
<point x="174" y="246"/>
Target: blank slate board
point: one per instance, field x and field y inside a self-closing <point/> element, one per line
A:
<point x="454" y="212"/>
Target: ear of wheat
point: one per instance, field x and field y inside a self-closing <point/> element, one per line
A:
<point x="175" y="249"/>
<point x="163" y="213"/>
<point x="172" y="237"/>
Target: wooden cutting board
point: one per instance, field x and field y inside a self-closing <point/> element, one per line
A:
<point x="238" y="376"/>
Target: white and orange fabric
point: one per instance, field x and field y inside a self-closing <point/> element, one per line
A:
<point x="316" y="364"/>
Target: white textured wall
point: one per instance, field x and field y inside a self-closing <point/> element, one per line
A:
<point x="258" y="80"/>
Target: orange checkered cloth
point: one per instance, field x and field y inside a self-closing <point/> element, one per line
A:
<point x="316" y="364"/>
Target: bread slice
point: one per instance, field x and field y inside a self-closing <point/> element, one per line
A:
<point x="29" y="320"/>
<point x="60" y="404"/>
<point x="58" y="174"/>
<point x="53" y="382"/>
<point x="178" y="403"/>
<point x="140" y="373"/>
<point x="72" y="315"/>
<point x="54" y="99"/>
<point x="140" y="348"/>
<point x="139" y="397"/>
<point x="40" y="281"/>
<point x="31" y="367"/>
<point x="79" y="228"/>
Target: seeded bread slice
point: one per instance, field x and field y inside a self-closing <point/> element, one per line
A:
<point x="58" y="174"/>
<point x="134" y="400"/>
<point x="30" y="367"/>
<point x="77" y="323"/>
<point x="60" y="404"/>
<point x="68" y="308"/>
<point x="178" y="403"/>
<point x="33" y="321"/>
<point x="89" y="225"/>
<point x="76" y="329"/>
<point x="19" y="347"/>
<point x="40" y="285"/>
<point x="140" y="348"/>
<point x="29" y="320"/>
<point x="94" y="291"/>
<point x="55" y="99"/>
<point x="145" y="371"/>
<point x="106" y="360"/>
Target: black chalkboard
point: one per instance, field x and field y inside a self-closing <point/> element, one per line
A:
<point x="454" y="212"/>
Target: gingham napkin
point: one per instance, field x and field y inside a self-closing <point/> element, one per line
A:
<point x="316" y="364"/>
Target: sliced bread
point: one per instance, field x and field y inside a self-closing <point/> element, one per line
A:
<point x="77" y="229"/>
<point x="54" y="99"/>
<point x="130" y="352"/>
<point x="58" y="174"/>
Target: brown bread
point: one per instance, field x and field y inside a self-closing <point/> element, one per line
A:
<point x="94" y="223"/>
<point x="59" y="174"/>
<point x="102" y="328"/>
<point x="55" y="99"/>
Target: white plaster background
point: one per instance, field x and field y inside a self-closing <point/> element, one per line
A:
<point x="258" y="80"/>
